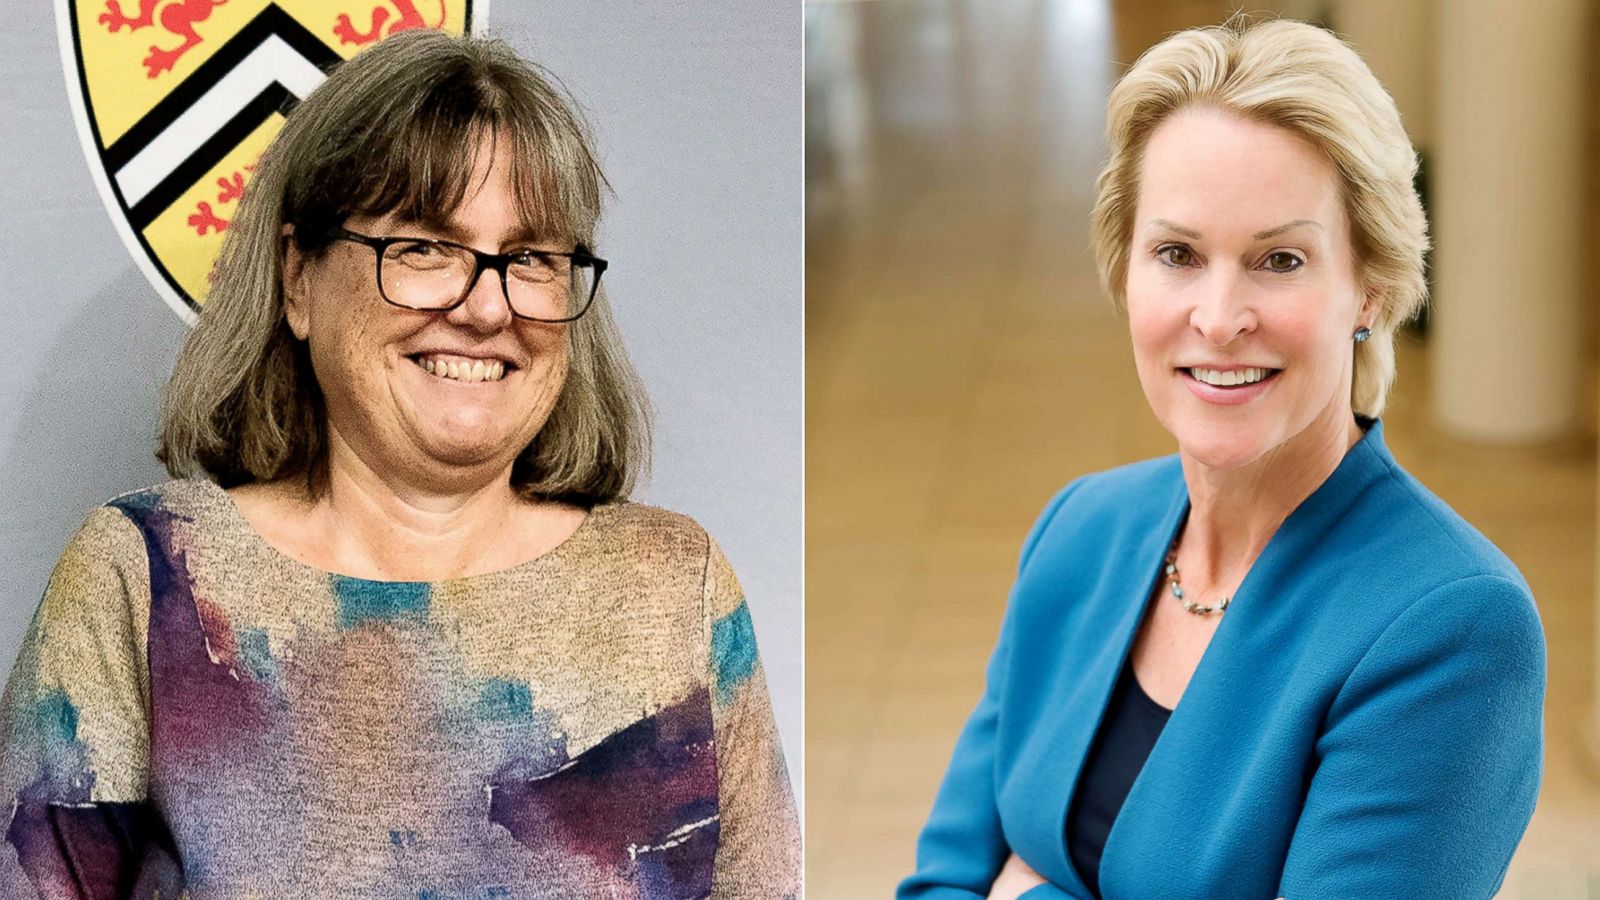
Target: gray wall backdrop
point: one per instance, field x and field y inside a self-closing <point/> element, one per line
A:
<point x="697" y="109"/>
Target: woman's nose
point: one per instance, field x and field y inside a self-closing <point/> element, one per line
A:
<point x="1223" y="310"/>
<point x="486" y="307"/>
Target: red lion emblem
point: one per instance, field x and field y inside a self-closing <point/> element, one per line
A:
<point x="346" y="32"/>
<point x="230" y="187"/>
<point x="177" y="17"/>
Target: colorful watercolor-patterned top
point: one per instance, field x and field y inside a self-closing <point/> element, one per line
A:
<point x="193" y="713"/>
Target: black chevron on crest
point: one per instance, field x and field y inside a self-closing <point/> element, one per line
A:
<point x="270" y="21"/>
<point x="276" y="98"/>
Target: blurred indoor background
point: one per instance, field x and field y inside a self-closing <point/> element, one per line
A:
<point x="962" y="363"/>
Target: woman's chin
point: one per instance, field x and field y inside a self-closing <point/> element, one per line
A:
<point x="457" y="445"/>
<point x="1221" y="450"/>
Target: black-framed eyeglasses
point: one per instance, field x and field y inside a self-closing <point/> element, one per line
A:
<point x="435" y="276"/>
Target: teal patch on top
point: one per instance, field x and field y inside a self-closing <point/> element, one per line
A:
<point x="64" y="760"/>
<point x="503" y="699"/>
<point x="57" y="718"/>
<point x="733" y="651"/>
<point x="361" y="600"/>
<point x="255" y="652"/>
<point x="146" y="500"/>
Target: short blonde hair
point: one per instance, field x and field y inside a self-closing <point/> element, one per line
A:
<point x="1304" y="79"/>
<point x="395" y="130"/>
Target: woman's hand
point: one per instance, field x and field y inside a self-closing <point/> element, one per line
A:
<point x="1015" y="879"/>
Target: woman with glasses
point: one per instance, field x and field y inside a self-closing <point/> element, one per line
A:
<point x="395" y="629"/>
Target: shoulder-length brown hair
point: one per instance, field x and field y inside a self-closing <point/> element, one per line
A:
<point x="394" y="131"/>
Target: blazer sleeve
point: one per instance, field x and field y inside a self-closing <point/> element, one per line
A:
<point x="963" y="846"/>
<point x="74" y="726"/>
<point x="758" y="853"/>
<point x="1428" y="766"/>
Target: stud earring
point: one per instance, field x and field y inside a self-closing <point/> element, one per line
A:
<point x="1362" y="334"/>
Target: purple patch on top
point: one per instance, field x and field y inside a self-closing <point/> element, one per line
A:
<point x="95" y="850"/>
<point x="208" y="707"/>
<point x="643" y="802"/>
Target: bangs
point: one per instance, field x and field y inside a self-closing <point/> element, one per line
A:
<point x="418" y="163"/>
<point x="428" y="176"/>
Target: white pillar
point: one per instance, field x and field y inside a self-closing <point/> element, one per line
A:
<point x="1508" y="216"/>
<point x="1591" y="732"/>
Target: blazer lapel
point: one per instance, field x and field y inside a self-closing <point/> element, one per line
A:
<point x="1128" y="564"/>
<point x="1243" y="657"/>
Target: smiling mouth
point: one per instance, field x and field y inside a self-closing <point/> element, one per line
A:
<point x="462" y="368"/>
<point x="1236" y="378"/>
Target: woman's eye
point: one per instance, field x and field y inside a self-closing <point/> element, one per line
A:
<point x="1175" y="255"/>
<point x="1283" y="261"/>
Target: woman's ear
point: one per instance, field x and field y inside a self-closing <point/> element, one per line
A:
<point x="1371" y="305"/>
<point x="296" y="303"/>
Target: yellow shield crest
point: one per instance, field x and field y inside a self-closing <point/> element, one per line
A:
<point x="176" y="99"/>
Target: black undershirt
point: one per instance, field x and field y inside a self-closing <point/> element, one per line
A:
<point x="1132" y="723"/>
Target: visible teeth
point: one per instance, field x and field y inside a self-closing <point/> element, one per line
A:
<point x="466" y="371"/>
<point x="1229" y="379"/>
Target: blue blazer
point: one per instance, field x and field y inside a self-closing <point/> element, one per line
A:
<point x="1367" y="720"/>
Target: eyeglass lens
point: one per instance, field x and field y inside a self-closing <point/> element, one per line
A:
<point x="427" y="275"/>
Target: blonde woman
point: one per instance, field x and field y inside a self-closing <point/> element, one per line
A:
<point x="395" y="630"/>
<point x="1272" y="664"/>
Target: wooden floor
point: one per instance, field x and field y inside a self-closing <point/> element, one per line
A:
<point x="962" y="364"/>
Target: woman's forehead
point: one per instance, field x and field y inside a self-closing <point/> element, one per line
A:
<point x="1204" y="168"/>
<point x="514" y="214"/>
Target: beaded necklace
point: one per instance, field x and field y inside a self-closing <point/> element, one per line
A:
<point x="1177" y="589"/>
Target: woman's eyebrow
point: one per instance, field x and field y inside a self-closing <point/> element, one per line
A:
<point x="1260" y="235"/>
<point x="434" y="227"/>
<point x="1274" y="232"/>
<point x="1173" y="226"/>
<point x="452" y="231"/>
<point x="525" y="235"/>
